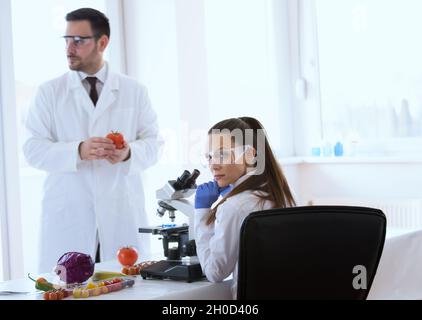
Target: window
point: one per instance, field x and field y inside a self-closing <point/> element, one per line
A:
<point x="242" y="64"/>
<point x="202" y="62"/>
<point x="370" y="72"/>
<point x="39" y="55"/>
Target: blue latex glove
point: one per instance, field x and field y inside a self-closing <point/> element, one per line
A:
<point x="206" y="195"/>
<point x="225" y="190"/>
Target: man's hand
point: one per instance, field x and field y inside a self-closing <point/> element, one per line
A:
<point x="96" y="149"/>
<point x="119" y="155"/>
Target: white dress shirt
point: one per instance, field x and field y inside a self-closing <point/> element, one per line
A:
<point x="101" y="76"/>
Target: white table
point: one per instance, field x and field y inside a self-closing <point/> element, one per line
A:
<point x="142" y="290"/>
<point x="399" y="274"/>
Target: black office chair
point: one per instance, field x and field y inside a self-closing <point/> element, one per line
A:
<point x="310" y="253"/>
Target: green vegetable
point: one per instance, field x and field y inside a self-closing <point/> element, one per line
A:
<point x="42" y="284"/>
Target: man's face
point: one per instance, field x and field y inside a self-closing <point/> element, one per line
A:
<point x="85" y="55"/>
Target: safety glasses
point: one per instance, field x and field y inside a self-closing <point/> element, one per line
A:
<point x="78" y="41"/>
<point x="225" y="155"/>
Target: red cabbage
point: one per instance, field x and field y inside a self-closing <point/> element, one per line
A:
<point x="74" y="267"/>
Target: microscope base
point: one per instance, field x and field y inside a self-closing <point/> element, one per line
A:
<point x="174" y="270"/>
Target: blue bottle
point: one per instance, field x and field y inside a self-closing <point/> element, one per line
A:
<point x="316" y="151"/>
<point x="338" y="149"/>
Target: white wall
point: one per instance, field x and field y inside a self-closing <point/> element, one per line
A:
<point x="359" y="180"/>
<point x="292" y="172"/>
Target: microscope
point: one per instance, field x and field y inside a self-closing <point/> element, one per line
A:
<point x="178" y="244"/>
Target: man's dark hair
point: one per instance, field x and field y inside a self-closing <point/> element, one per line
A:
<point x="99" y="22"/>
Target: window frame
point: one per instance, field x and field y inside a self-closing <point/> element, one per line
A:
<point x="117" y="48"/>
<point x="305" y="76"/>
<point x="11" y="230"/>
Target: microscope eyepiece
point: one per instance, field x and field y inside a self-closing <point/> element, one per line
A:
<point x="181" y="181"/>
<point x="190" y="182"/>
<point x="186" y="180"/>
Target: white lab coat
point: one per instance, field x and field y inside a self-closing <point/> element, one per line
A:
<point x="81" y="197"/>
<point x="217" y="245"/>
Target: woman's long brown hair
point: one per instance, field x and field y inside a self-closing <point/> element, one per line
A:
<point x="271" y="183"/>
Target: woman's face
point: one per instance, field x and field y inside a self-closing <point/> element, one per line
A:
<point x="225" y="159"/>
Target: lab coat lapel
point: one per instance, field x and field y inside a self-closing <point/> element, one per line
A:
<point x="81" y="96"/>
<point x="108" y="95"/>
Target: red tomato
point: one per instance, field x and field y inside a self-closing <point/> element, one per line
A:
<point x="127" y="256"/>
<point x="66" y="293"/>
<point x="117" y="139"/>
<point x="125" y="270"/>
<point x="53" y="296"/>
<point x="60" y="295"/>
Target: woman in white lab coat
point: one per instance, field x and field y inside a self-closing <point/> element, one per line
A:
<point x="92" y="191"/>
<point x="248" y="177"/>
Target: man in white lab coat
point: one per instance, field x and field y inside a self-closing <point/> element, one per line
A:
<point x="93" y="195"/>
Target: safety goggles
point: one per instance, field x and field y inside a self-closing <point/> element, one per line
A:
<point x="78" y="41"/>
<point x="225" y="155"/>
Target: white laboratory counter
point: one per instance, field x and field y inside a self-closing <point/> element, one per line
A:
<point x="142" y="290"/>
<point x="398" y="277"/>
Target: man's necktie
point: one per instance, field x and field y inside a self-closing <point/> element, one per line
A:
<point x="93" y="94"/>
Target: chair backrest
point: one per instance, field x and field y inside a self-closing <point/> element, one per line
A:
<point x="315" y="252"/>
